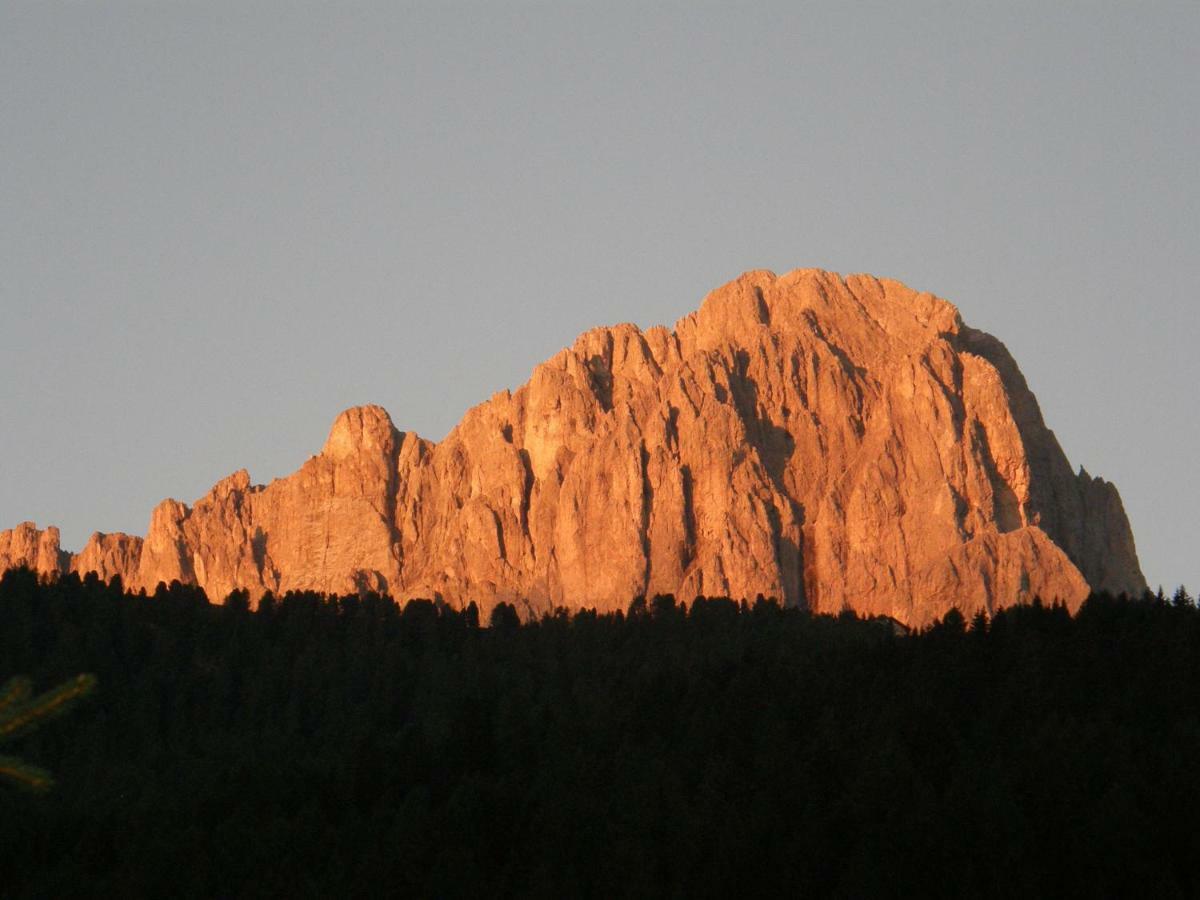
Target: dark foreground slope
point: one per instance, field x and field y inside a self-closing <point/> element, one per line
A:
<point x="324" y="747"/>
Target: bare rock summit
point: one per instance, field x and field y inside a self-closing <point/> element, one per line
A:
<point x="832" y="442"/>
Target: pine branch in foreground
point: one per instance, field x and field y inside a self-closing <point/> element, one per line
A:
<point x="21" y="713"/>
<point x="24" y="775"/>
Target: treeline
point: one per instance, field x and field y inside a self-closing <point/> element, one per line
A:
<point x="343" y="746"/>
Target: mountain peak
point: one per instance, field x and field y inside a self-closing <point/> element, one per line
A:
<point x="835" y="442"/>
<point x="360" y="428"/>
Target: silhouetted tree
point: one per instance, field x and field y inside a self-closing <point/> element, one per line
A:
<point x="324" y="745"/>
<point x="663" y="606"/>
<point x="504" y="616"/>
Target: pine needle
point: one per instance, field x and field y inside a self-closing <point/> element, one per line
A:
<point x="15" y="690"/>
<point x="23" y="775"/>
<point x="21" y="716"/>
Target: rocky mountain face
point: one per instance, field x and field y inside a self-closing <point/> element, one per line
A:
<point x="832" y="442"/>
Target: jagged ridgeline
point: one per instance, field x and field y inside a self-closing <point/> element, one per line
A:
<point x="832" y="442"/>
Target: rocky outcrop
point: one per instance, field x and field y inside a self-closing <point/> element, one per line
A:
<point x="833" y="442"/>
<point x="27" y="545"/>
<point x="109" y="556"/>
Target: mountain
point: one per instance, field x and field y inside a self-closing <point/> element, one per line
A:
<point x="832" y="442"/>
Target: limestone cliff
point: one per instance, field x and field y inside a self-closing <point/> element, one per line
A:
<point x="27" y="545"/>
<point x="831" y="442"/>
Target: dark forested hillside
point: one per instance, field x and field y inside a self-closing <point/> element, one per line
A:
<point x="343" y="746"/>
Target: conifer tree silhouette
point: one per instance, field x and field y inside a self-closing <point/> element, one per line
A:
<point x="21" y="713"/>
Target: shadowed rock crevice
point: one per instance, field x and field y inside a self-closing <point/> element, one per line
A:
<point x="689" y="516"/>
<point x="647" y="510"/>
<point x="1062" y="503"/>
<point x="258" y="549"/>
<point x="1006" y="509"/>
<point x="774" y="443"/>
<point x="601" y="381"/>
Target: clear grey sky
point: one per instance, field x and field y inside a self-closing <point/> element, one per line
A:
<point x="222" y="223"/>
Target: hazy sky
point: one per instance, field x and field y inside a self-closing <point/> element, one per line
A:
<point x="222" y="224"/>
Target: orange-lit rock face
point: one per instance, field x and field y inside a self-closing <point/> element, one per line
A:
<point x="108" y="555"/>
<point x="26" y="545"/>
<point x="831" y="442"/>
